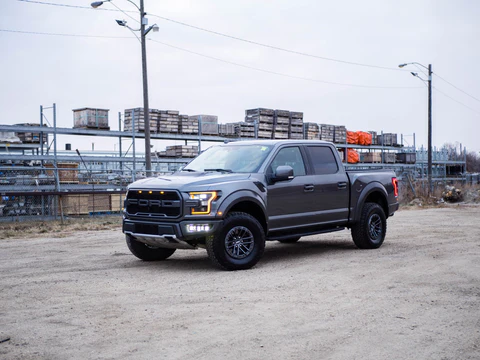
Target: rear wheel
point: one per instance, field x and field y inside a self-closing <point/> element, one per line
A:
<point x="239" y="244"/>
<point x="146" y="252"/>
<point x="290" y="240"/>
<point x="370" y="230"/>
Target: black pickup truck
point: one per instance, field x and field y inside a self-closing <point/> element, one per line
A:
<point x="234" y="197"/>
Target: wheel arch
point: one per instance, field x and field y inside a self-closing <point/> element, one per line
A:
<point x="375" y="194"/>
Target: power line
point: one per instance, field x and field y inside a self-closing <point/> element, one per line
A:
<point x="282" y="74"/>
<point x="449" y="83"/>
<point x="468" y="107"/>
<point x="68" y="35"/>
<point x="233" y="37"/>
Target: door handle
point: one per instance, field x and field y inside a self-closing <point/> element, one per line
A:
<point x="342" y="185"/>
<point x="308" y="188"/>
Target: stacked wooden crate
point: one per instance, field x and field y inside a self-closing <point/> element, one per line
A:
<point x="245" y="129"/>
<point x="389" y="158"/>
<point x="374" y="137"/>
<point x="187" y="125"/>
<point x="137" y="115"/>
<point x="281" y="120"/>
<point x="208" y="124"/>
<point x="181" y="151"/>
<point x="167" y="121"/>
<point x="295" y="130"/>
<point x="371" y="157"/>
<point x="264" y="120"/>
<point x="28" y="136"/>
<point x="327" y="132"/>
<point x="90" y="118"/>
<point x="388" y="139"/>
<point x="340" y="135"/>
<point x="311" y="131"/>
<point x="227" y="130"/>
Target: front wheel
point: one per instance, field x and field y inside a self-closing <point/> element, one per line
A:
<point x="146" y="252"/>
<point x="369" y="232"/>
<point x="239" y="243"/>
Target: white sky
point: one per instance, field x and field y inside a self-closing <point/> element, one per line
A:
<point x="76" y="72"/>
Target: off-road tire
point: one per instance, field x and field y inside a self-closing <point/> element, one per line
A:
<point x="290" y="240"/>
<point x="239" y="243"/>
<point x="369" y="232"/>
<point x="146" y="252"/>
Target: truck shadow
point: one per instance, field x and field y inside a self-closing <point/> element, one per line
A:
<point x="274" y="252"/>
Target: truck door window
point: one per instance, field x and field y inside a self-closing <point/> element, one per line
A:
<point x="323" y="160"/>
<point x="289" y="156"/>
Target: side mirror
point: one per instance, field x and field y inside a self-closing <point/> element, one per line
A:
<point x="282" y="173"/>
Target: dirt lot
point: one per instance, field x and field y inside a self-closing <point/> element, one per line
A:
<point x="84" y="296"/>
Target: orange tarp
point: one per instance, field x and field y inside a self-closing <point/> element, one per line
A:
<point x="364" y="138"/>
<point x="352" y="137"/>
<point x="352" y="156"/>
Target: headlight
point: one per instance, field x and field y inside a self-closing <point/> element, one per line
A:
<point x="206" y="199"/>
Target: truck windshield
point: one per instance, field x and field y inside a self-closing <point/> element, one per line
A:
<point x="230" y="158"/>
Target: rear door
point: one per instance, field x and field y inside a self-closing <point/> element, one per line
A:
<point x="330" y="185"/>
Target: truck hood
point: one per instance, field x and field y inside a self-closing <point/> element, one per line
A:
<point x="187" y="180"/>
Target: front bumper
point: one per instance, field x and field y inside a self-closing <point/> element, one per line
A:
<point x="168" y="235"/>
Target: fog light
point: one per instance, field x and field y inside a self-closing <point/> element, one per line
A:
<point x="191" y="228"/>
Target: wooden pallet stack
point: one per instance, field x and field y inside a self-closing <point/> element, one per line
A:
<point x="227" y="130"/>
<point x="295" y="130"/>
<point x="374" y="137"/>
<point x="264" y="120"/>
<point x="168" y="121"/>
<point x="187" y="125"/>
<point x="139" y="120"/>
<point x="327" y="132"/>
<point x="281" y="124"/>
<point x="245" y="129"/>
<point x="208" y="124"/>
<point x="90" y="118"/>
<point x="28" y="136"/>
<point x="311" y="131"/>
<point x="340" y="135"/>
<point x="181" y="151"/>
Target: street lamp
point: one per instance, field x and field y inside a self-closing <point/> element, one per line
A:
<point x="429" y="117"/>
<point x="143" y="33"/>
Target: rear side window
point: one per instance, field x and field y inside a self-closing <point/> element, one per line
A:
<point x="323" y="160"/>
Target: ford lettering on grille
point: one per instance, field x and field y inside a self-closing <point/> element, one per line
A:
<point x="167" y="204"/>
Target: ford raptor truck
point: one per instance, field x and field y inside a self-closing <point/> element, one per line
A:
<point x="234" y="197"/>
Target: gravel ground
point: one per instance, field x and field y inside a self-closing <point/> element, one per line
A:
<point x="85" y="296"/>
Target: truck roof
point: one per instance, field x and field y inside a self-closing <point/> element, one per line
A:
<point x="276" y="142"/>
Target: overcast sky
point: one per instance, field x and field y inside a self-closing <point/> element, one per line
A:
<point x="105" y="72"/>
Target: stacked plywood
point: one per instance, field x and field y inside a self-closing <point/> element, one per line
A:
<point x="327" y="132"/>
<point x="311" y="131"/>
<point x="187" y="125"/>
<point x="91" y="118"/>
<point x="227" y="130"/>
<point x="137" y="115"/>
<point x="208" y="124"/>
<point x="340" y="135"/>
<point x="295" y="130"/>
<point x="264" y="120"/>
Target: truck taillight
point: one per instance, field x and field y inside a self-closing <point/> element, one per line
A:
<point x="395" y="186"/>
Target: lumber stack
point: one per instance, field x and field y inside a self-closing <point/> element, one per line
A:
<point x="245" y="129"/>
<point x="340" y="135"/>
<point x="281" y="124"/>
<point x="187" y="125"/>
<point x="227" y="130"/>
<point x="311" y="131"/>
<point x="327" y="132"/>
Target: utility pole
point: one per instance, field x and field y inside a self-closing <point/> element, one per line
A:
<point x="430" y="129"/>
<point x="146" y="110"/>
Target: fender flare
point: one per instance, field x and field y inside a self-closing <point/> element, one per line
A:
<point x="370" y="189"/>
<point x="239" y="196"/>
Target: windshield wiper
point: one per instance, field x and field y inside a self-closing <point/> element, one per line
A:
<point x="189" y="170"/>
<point x="219" y="170"/>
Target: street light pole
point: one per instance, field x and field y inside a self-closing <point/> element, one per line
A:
<point x="146" y="110"/>
<point x="429" y="150"/>
<point x="429" y="129"/>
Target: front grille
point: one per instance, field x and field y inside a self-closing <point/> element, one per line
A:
<point x="154" y="203"/>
